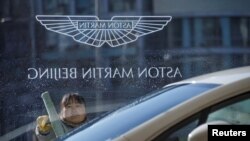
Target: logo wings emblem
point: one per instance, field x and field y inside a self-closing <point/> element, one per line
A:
<point x="90" y="30"/>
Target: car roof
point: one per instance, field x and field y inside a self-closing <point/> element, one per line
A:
<point x="220" y="77"/>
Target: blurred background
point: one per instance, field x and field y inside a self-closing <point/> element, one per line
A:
<point x="204" y="36"/>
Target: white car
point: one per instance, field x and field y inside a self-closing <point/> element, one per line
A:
<point x="173" y="112"/>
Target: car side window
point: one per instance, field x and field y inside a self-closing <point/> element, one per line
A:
<point x="180" y="131"/>
<point x="236" y="112"/>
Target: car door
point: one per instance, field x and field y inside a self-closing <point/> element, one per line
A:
<point x="234" y="110"/>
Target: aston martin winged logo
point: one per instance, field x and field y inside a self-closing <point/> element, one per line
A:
<point x="90" y="30"/>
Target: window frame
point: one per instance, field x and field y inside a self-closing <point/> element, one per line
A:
<point x="202" y="115"/>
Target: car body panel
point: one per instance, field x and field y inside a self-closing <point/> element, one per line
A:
<point x="237" y="81"/>
<point x="221" y="77"/>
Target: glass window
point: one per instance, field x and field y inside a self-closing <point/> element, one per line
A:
<point x="212" y="32"/>
<point x="240" y="31"/>
<point x="187" y="46"/>
<point x="55" y="7"/>
<point x="172" y="36"/>
<point x="205" y="32"/>
<point x="147" y="5"/>
<point x="175" y="33"/>
<point x="16" y="9"/>
<point x="180" y="131"/>
<point x="122" y="5"/>
<point x="84" y="6"/>
<point x="236" y="113"/>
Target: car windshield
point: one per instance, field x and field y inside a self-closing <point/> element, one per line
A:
<point x="137" y="112"/>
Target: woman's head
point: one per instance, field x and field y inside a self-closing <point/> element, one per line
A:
<point x="73" y="108"/>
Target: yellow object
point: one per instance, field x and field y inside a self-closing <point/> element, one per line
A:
<point x="43" y="124"/>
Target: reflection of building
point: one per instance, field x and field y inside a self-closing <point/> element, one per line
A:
<point x="208" y="23"/>
<point x="203" y="36"/>
<point x="222" y="26"/>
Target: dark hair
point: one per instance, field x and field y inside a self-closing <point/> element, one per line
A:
<point x="70" y="97"/>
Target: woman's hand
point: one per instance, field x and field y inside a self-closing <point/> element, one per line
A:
<point x="43" y="124"/>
